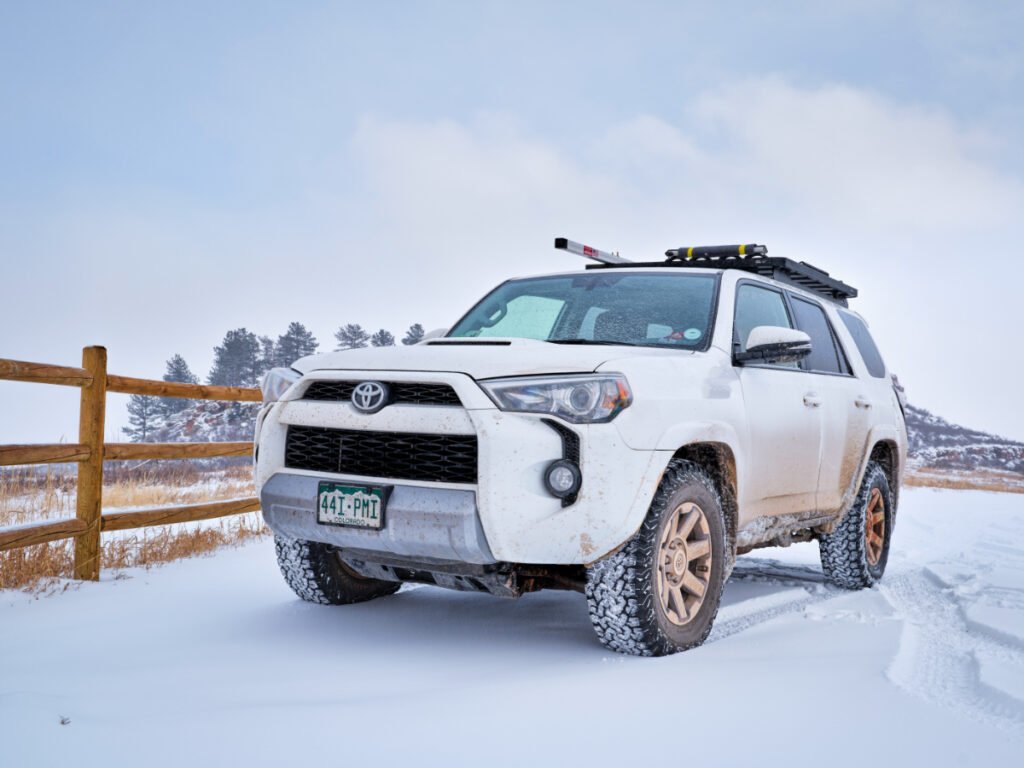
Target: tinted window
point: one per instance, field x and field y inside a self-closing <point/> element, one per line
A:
<point x="811" y="319"/>
<point x="865" y="344"/>
<point x="670" y="310"/>
<point x="757" y="306"/>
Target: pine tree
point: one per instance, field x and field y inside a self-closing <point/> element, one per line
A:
<point x="351" y="337"/>
<point x="268" y="355"/>
<point x="382" y="338"/>
<point x="236" y="361"/>
<point x="177" y="370"/>
<point x="296" y="342"/>
<point x="143" y="416"/>
<point x="414" y="335"/>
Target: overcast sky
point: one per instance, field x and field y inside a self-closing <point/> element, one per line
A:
<point x="170" y="171"/>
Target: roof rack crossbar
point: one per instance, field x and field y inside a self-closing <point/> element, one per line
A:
<point x="752" y="258"/>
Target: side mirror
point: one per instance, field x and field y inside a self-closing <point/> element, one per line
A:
<point x="774" y="344"/>
<point x="434" y="334"/>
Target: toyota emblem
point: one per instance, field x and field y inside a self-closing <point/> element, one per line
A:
<point x="370" y="396"/>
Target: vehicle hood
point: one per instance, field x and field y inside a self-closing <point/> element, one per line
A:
<point x="478" y="358"/>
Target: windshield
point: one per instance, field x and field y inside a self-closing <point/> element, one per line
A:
<point x="643" y="309"/>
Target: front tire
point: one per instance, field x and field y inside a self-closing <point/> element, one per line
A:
<point x="660" y="593"/>
<point x="317" y="575"/>
<point x="854" y="555"/>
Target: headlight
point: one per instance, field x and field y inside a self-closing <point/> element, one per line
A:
<point x="276" y="382"/>
<point x="585" y="399"/>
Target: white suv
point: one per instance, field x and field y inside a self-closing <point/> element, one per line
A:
<point x="624" y="431"/>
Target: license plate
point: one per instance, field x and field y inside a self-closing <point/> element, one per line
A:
<point x="359" y="506"/>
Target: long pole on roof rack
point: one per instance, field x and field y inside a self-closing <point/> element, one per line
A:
<point x="564" y="244"/>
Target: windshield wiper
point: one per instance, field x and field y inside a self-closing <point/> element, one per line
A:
<point x="592" y="341"/>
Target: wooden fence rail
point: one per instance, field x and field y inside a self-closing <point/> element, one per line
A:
<point x="90" y="452"/>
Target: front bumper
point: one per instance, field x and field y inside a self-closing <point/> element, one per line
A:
<point x="507" y="516"/>
<point x="438" y="523"/>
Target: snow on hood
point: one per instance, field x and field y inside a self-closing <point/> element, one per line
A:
<point x="479" y="358"/>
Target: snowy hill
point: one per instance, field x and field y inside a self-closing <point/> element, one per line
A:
<point x="938" y="444"/>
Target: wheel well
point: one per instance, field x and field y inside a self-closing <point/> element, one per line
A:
<point x="717" y="460"/>
<point x="886" y="455"/>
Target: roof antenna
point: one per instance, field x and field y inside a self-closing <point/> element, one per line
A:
<point x="605" y="257"/>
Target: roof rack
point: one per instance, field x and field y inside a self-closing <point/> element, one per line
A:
<point x="752" y="258"/>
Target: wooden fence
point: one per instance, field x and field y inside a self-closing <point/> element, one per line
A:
<point x="90" y="452"/>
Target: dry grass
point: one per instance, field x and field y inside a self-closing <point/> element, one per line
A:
<point x="42" y="568"/>
<point x="979" y="480"/>
<point x="29" y="496"/>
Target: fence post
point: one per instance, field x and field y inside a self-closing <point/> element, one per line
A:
<point x="90" y="472"/>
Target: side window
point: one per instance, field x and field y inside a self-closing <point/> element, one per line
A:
<point x="865" y="344"/>
<point x="757" y="306"/>
<point x="811" y="319"/>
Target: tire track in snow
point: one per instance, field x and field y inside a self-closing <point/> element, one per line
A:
<point x="739" y="617"/>
<point x="751" y="613"/>
<point x="938" y="656"/>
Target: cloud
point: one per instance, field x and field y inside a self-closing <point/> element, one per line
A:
<point x="840" y="150"/>
<point x="464" y="184"/>
<point x="836" y="156"/>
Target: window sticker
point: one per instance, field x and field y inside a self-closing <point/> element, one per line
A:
<point x="690" y="334"/>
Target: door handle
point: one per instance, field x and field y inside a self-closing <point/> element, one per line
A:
<point x="862" y="402"/>
<point x="811" y="400"/>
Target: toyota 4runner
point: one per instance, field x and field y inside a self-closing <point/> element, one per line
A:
<point x="624" y="431"/>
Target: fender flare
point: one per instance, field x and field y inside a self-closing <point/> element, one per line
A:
<point x="880" y="433"/>
<point x="679" y="436"/>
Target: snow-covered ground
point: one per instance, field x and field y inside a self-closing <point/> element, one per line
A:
<point x="213" y="661"/>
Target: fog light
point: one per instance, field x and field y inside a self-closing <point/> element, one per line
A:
<point x="562" y="478"/>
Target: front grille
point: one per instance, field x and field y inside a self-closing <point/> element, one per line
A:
<point x="398" y="455"/>
<point x="402" y="392"/>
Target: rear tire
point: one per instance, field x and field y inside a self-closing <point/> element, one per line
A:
<point x="854" y="555"/>
<point x="317" y="575"/>
<point x="659" y="594"/>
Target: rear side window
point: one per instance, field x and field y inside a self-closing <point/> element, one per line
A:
<point x="811" y="319"/>
<point x="757" y="306"/>
<point x="865" y="344"/>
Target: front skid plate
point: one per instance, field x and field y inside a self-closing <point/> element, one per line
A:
<point x="439" y="523"/>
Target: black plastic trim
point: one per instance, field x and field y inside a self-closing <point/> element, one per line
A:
<point x="441" y="458"/>
<point x="400" y="392"/>
<point x="570" y="452"/>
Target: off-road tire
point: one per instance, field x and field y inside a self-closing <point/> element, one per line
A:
<point x="625" y="609"/>
<point x="316" y="574"/>
<point x="844" y="552"/>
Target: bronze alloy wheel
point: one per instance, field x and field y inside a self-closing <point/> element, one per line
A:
<point x="659" y="593"/>
<point x="684" y="563"/>
<point x="854" y="554"/>
<point x="874" y="526"/>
